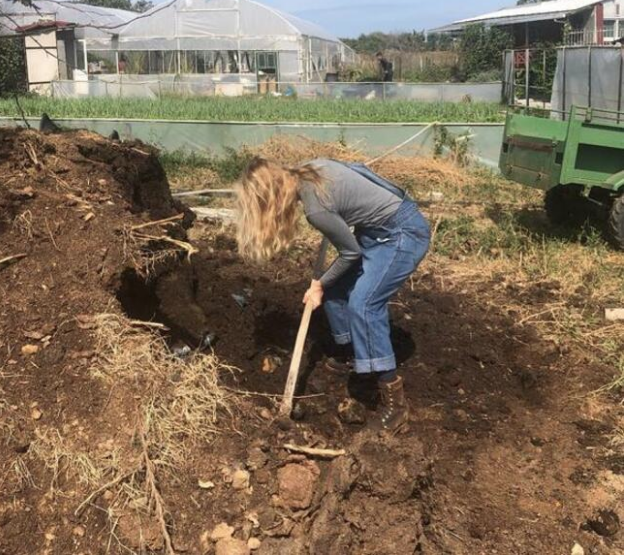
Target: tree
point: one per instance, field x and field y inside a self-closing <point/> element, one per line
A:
<point x="482" y="48"/>
<point x="139" y="6"/>
<point x="12" y="66"/>
<point x="142" y="6"/>
<point x="413" y="41"/>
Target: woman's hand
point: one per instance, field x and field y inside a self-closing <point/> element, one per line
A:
<point x="314" y="294"/>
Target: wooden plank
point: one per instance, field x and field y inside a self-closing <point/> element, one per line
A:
<point x="202" y="192"/>
<point x="225" y="215"/>
<point x="614" y="314"/>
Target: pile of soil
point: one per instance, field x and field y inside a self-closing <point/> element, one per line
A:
<point x="68" y="203"/>
<point x="503" y="455"/>
<point x="500" y="458"/>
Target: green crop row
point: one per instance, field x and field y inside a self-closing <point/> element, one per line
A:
<point x="261" y="109"/>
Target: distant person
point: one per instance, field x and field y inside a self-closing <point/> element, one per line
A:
<point x="123" y="63"/>
<point x="386" y="70"/>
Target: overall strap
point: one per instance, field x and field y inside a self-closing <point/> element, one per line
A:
<point x="369" y="174"/>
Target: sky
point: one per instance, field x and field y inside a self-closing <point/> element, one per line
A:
<point x="349" y="18"/>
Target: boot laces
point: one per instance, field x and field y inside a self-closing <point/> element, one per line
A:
<point x="387" y="413"/>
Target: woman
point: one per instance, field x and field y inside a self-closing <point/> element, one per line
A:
<point x="389" y="239"/>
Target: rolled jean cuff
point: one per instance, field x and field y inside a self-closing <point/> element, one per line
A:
<point x="342" y="339"/>
<point x="367" y="366"/>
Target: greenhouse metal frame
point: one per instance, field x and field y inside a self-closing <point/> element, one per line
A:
<point x="224" y="40"/>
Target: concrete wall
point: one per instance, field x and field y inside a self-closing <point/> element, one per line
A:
<point x="195" y="136"/>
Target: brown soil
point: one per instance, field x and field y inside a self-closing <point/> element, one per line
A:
<point x="504" y="455"/>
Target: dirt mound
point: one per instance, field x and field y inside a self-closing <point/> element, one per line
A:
<point x="73" y="209"/>
<point x="495" y="441"/>
<point x="77" y="217"/>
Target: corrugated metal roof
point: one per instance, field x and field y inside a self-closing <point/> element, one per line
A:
<point x="552" y="9"/>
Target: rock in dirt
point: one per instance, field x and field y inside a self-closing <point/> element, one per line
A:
<point x="36" y="414"/>
<point x="28" y="350"/>
<point x="140" y="532"/>
<point x="205" y="484"/>
<point x="221" y="531"/>
<point x="79" y="531"/>
<point x="606" y="523"/>
<point x="299" y="411"/>
<point x="253" y="544"/>
<point x="256" y="458"/>
<point x="352" y="412"/>
<point x="232" y="546"/>
<point x="287" y="546"/>
<point x="577" y="550"/>
<point x="240" y="480"/>
<point x="271" y="363"/>
<point x="266" y="414"/>
<point x="296" y="484"/>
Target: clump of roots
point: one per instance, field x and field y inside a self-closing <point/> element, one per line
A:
<point x="151" y="246"/>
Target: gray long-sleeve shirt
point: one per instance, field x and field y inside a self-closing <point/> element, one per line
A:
<point x="349" y="199"/>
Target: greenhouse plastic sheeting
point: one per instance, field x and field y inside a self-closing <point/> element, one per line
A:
<point x="109" y="20"/>
<point x="373" y="139"/>
<point x="589" y="77"/>
<point x="151" y="86"/>
<point x="218" y="25"/>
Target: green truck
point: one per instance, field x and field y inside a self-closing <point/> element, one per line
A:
<point x="578" y="162"/>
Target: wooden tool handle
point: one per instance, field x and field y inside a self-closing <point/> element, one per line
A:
<point x="293" y="372"/>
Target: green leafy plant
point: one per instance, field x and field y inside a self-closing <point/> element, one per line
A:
<point x="12" y="66"/>
<point x="258" y="108"/>
<point x="482" y="49"/>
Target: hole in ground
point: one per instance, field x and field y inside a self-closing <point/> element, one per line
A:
<point x="138" y="299"/>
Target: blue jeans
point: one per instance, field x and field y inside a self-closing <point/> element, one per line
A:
<point x="357" y="304"/>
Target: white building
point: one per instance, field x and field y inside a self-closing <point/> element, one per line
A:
<point x="55" y="36"/>
<point x="574" y="22"/>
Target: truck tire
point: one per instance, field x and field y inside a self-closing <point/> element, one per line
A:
<point x="616" y="222"/>
<point x="565" y="205"/>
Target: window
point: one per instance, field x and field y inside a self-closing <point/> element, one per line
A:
<point x="217" y="61"/>
<point x="610" y="29"/>
<point x="267" y="62"/>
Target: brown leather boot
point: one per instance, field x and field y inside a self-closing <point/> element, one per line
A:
<point x="392" y="414"/>
<point x="340" y="360"/>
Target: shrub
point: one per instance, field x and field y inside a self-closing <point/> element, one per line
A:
<point x="12" y="66"/>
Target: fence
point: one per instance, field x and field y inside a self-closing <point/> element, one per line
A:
<point x="592" y="37"/>
<point x="558" y="78"/>
<point x="484" y="140"/>
<point x="128" y="86"/>
<point x="528" y="76"/>
<point x="590" y="77"/>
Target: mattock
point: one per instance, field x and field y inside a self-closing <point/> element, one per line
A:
<point x="295" y="363"/>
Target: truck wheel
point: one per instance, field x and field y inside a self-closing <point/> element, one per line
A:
<point x="616" y="222"/>
<point x="565" y="205"/>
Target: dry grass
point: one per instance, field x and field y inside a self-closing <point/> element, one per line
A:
<point x="176" y="404"/>
<point x="182" y="398"/>
<point x="423" y="170"/>
<point x="73" y="461"/>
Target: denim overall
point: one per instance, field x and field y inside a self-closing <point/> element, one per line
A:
<point x="357" y="304"/>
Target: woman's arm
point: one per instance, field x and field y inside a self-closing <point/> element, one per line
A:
<point x="332" y="226"/>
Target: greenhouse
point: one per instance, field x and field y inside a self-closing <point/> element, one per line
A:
<point x="219" y="41"/>
<point x="203" y="47"/>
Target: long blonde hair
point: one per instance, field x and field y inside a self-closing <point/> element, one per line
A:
<point x="267" y="207"/>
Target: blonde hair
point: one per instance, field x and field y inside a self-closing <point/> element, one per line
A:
<point x="267" y="207"/>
